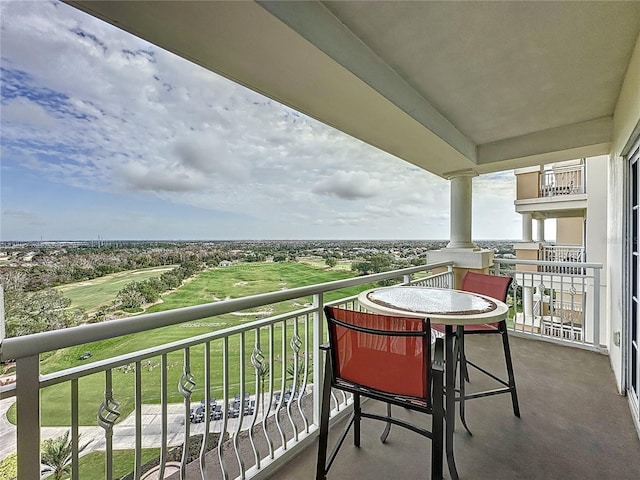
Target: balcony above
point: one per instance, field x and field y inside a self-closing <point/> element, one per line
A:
<point x="574" y="425"/>
<point x="555" y="192"/>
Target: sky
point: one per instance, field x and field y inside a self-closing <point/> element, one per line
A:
<point x="104" y="135"/>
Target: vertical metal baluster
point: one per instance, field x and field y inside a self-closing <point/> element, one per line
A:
<point x="303" y="387"/>
<point x="107" y="416"/>
<point x="163" y="401"/>
<point x="137" y="470"/>
<point x="75" y="434"/>
<point x="283" y="437"/>
<point x="294" y="343"/>
<point x="257" y="360"/>
<point x="236" y="434"/>
<point x="266" y="410"/>
<point x="185" y="386"/>
<point x="552" y="306"/>
<point x="207" y="408"/>
<point x="225" y="399"/>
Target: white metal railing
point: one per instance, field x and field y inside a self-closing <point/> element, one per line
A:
<point x="563" y="181"/>
<point x="559" y="302"/>
<point x="258" y="383"/>
<point x="563" y="253"/>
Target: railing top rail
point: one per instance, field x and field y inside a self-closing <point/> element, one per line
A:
<point x="566" y="168"/>
<point x="506" y="261"/>
<point x="28" y="345"/>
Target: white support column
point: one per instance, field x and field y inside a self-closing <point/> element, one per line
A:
<point x="541" y="230"/>
<point x="527" y="230"/>
<point x="460" y="213"/>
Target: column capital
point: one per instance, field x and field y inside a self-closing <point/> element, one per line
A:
<point x="460" y="173"/>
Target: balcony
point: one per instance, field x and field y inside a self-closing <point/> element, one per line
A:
<point x="273" y="364"/>
<point x="552" y="193"/>
<point x="563" y="181"/>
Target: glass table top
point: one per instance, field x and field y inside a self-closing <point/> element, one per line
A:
<point x="434" y="301"/>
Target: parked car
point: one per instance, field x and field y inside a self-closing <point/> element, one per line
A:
<point x="197" y="415"/>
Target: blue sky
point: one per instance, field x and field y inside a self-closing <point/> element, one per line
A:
<point x="103" y="134"/>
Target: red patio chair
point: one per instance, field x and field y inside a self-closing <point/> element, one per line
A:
<point x="388" y="359"/>
<point x="496" y="287"/>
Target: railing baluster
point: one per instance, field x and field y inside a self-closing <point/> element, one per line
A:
<point x="207" y="408"/>
<point x="240" y="414"/>
<point x="225" y="400"/>
<point x="267" y="410"/>
<point x="164" y="400"/>
<point x="294" y="343"/>
<point x="257" y="359"/>
<point x="185" y="387"/>
<point x="75" y="434"/>
<point x="137" y="470"/>
<point x="283" y="373"/>
<point x="108" y="414"/>
<point x="303" y="387"/>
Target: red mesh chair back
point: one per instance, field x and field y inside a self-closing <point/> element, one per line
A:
<point x="386" y="354"/>
<point x="493" y="286"/>
<point x="385" y="358"/>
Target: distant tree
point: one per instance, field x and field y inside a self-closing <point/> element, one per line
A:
<point x="130" y="297"/>
<point x="56" y="456"/>
<point x="34" y="312"/>
<point x="149" y="291"/>
<point x="363" y="268"/>
<point x="331" y="262"/>
<point x="280" y="258"/>
<point x="170" y="279"/>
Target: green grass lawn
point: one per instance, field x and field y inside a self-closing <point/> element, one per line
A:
<point x="210" y="285"/>
<point x="92" y="294"/>
<point x="92" y="465"/>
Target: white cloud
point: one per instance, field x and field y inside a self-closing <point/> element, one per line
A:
<point x="88" y="105"/>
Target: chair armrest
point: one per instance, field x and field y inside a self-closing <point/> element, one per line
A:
<point x="325" y="346"/>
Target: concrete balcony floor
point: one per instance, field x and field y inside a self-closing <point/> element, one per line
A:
<point x="574" y="425"/>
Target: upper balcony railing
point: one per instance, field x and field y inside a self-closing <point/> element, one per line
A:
<point x="563" y="253"/>
<point x="254" y="389"/>
<point x="562" y="181"/>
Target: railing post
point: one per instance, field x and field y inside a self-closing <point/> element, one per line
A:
<point x="318" y="367"/>
<point x="596" y="308"/>
<point x="28" y="412"/>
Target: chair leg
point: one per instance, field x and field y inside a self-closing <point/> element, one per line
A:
<point x="323" y="440"/>
<point x="512" y="378"/>
<point x="460" y="357"/>
<point x="356" y="419"/>
<point x="387" y="428"/>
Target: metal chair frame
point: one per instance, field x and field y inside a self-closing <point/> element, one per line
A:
<point x="473" y="282"/>
<point x="432" y="404"/>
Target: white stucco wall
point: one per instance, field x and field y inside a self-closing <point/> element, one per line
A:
<point x="626" y="121"/>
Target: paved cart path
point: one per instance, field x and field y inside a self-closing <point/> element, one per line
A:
<point x="123" y="433"/>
